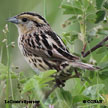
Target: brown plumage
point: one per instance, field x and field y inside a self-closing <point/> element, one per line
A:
<point x="42" y="48"/>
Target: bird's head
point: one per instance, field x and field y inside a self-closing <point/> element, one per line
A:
<point x="27" y="21"/>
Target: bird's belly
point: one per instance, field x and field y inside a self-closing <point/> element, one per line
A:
<point x="36" y="63"/>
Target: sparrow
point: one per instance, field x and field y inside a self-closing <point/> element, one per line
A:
<point x="42" y="48"/>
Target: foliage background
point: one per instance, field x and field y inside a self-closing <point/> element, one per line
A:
<point x="77" y="22"/>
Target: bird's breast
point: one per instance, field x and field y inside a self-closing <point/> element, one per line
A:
<point x="36" y="62"/>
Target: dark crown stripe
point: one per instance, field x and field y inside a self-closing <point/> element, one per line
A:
<point x="34" y="14"/>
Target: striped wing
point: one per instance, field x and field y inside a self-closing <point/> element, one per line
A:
<point x="47" y="44"/>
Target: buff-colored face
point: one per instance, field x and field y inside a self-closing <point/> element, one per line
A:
<point x="26" y="21"/>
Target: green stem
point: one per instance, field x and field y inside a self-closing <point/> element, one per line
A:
<point x="45" y="9"/>
<point x="9" y="74"/>
<point x="83" y="29"/>
<point x="1" y="54"/>
<point x="7" y="89"/>
<point x="98" y="106"/>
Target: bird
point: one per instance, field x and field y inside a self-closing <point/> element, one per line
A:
<point x="42" y="48"/>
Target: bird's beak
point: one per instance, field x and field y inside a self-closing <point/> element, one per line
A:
<point x="13" y="20"/>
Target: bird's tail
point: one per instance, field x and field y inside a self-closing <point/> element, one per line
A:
<point x="84" y="66"/>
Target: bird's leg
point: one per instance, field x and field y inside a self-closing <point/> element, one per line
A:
<point x="63" y="77"/>
<point x="59" y="82"/>
<point x="77" y="74"/>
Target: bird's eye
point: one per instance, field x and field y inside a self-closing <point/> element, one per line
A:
<point x="24" y="19"/>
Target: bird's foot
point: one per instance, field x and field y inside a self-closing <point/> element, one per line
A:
<point x="60" y="83"/>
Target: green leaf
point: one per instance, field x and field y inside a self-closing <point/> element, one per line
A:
<point x="66" y="95"/>
<point x="91" y="9"/>
<point x="85" y="3"/>
<point x="73" y="17"/>
<point x="70" y="36"/>
<point x="104" y="75"/>
<point x="105" y="58"/>
<point x="91" y="74"/>
<point x="3" y="68"/>
<point x="91" y="17"/>
<point x="99" y="4"/>
<point x="106" y="5"/>
<point x="3" y="76"/>
<point x="92" y="90"/>
<point x="100" y="16"/>
<point x="73" y="37"/>
<point x="87" y="79"/>
<point x="103" y="65"/>
<point x="66" y="6"/>
<point x="69" y="9"/>
<point x="45" y="80"/>
<point x="73" y="11"/>
<point x="23" y="80"/>
<point x="29" y="85"/>
<point x="79" y="98"/>
<point x="46" y="77"/>
<point x="78" y="45"/>
<point x="76" y="4"/>
<point x="65" y="34"/>
<point x="14" y="106"/>
<point x="103" y="32"/>
<point x="48" y="73"/>
<point x="101" y="50"/>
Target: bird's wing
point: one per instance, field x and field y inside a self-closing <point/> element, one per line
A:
<point x="48" y="45"/>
